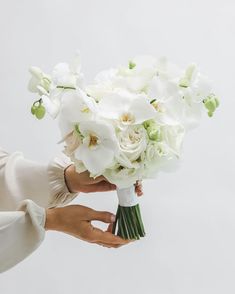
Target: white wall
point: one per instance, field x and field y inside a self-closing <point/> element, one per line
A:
<point x="190" y="215"/>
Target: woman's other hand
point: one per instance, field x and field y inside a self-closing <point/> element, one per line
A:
<point x="76" y="220"/>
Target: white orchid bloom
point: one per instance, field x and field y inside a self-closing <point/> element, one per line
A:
<point x="126" y="108"/>
<point x="174" y="104"/>
<point x="99" y="146"/>
<point x="76" y="106"/>
<point x="52" y="102"/>
<point x="160" y="92"/>
<point x="183" y="111"/>
<point x="103" y="84"/>
<point x="135" y="78"/>
<point x="68" y="76"/>
<point x="199" y="89"/>
<point x="195" y="85"/>
<point x="162" y="89"/>
<point x="194" y="88"/>
<point x="40" y="82"/>
<point x="168" y="71"/>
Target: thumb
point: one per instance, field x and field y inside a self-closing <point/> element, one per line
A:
<point x="104" y="216"/>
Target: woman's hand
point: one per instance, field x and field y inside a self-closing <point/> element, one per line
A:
<point x="82" y="182"/>
<point x="76" y="220"/>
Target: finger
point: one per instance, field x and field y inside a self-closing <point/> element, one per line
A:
<point x="110" y="228"/>
<point x="139" y="191"/>
<point x="138" y="188"/>
<point x="107" y="237"/>
<point x="91" y="180"/>
<point x="138" y="183"/>
<point x="103" y="245"/>
<point x="103" y="216"/>
<point x="108" y="245"/>
<point x="101" y="187"/>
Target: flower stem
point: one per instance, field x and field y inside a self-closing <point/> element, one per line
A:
<point x="66" y="88"/>
<point x="128" y="223"/>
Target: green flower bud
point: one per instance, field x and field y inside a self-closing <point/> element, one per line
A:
<point x="149" y="123"/>
<point x="40" y="112"/>
<point x="210" y="114"/>
<point x="33" y="109"/>
<point x="154" y="134"/>
<point x="210" y="104"/>
<point x="131" y="64"/>
<point x="217" y="102"/>
<point x="153" y="130"/>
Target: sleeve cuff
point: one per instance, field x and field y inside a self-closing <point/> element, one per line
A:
<point x="37" y="214"/>
<point x="22" y="233"/>
<point x="59" y="190"/>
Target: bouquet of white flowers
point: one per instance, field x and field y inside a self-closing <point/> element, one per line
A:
<point x="127" y="125"/>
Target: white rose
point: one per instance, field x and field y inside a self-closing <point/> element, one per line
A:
<point x="158" y="157"/>
<point x="124" y="177"/>
<point x="132" y="142"/>
<point x="173" y="137"/>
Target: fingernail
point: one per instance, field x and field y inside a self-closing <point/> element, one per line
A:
<point x="113" y="217"/>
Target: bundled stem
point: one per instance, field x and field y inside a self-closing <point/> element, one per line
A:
<point x="128" y="223"/>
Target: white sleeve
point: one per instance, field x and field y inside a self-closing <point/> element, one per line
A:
<point x="26" y="189"/>
<point x="21" y="232"/>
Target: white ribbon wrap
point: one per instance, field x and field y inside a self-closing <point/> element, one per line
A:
<point x="127" y="196"/>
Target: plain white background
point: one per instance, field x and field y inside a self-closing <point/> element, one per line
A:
<point x="190" y="215"/>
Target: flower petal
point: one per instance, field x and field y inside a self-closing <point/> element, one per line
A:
<point x="104" y="131"/>
<point x="52" y="107"/>
<point x="95" y="160"/>
<point x="76" y="107"/>
<point x="114" y="104"/>
<point x="142" y="109"/>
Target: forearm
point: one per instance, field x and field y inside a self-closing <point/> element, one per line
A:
<point x="21" y="179"/>
<point x="21" y="232"/>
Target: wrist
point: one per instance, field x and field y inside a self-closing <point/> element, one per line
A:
<point x="52" y="219"/>
<point x="68" y="178"/>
